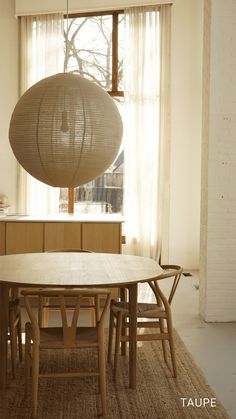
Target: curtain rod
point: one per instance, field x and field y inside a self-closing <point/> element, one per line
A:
<point x="86" y="9"/>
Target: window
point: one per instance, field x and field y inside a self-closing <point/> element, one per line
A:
<point x="95" y="51"/>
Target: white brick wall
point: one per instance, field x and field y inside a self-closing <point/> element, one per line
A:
<point x="218" y="216"/>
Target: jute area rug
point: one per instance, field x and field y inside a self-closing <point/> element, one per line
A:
<point x="158" y="394"/>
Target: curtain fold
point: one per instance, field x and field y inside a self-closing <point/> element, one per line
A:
<point x="41" y="49"/>
<point x="146" y="128"/>
<point x="165" y="133"/>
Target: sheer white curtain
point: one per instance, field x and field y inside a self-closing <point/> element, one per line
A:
<point x="146" y="127"/>
<point x="41" y="56"/>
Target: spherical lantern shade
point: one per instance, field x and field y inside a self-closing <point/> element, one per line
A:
<point x="65" y="130"/>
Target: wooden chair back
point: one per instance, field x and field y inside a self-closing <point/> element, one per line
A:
<point x="44" y="306"/>
<point x="170" y="271"/>
<point x="63" y="298"/>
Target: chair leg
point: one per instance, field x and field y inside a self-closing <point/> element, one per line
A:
<point x="92" y="312"/>
<point x="35" y="378"/>
<point x="27" y="358"/>
<point x="102" y="374"/>
<point x="163" y="342"/>
<point x="110" y="337"/>
<point x="43" y="312"/>
<point x="97" y="307"/>
<point x="123" y="296"/>
<point x="19" y="335"/>
<point x="171" y="344"/>
<point x="40" y="311"/>
<point x="13" y="341"/>
<point x="45" y="316"/>
<point x="117" y="342"/>
<point x="124" y="333"/>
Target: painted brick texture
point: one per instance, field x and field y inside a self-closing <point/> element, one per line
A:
<point x="218" y="219"/>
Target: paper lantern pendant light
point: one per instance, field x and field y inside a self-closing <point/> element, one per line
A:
<point x="65" y="130"/>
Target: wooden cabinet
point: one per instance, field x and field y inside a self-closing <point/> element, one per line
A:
<point x="2" y="238"/>
<point x="24" y="237"/>
<point x="62" y="236"/>
<point x="40" y="236"/>
<point x="101" y="237"/>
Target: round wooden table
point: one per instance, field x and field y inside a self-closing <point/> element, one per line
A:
<point x="74" y="270"/>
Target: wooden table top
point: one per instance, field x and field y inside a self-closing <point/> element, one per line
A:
<point x="76" y="269"/>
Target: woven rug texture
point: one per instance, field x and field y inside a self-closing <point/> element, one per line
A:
<point x="158" y="394"/>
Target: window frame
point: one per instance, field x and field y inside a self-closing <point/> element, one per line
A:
<point x="114" y="91"/>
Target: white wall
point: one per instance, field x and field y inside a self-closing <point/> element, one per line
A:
<point x="186" y="87"/>
<point x="218" y="220"/>
<point x="8" y="96"/>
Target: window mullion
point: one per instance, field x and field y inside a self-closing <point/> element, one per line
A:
<point x="115" y="53"/>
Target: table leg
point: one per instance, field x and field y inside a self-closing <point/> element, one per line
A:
<point x="4" y="308"/>
<point x="132" y="334"/>
<point x="124" y="330"/>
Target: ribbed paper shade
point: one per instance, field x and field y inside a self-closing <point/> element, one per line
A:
<point x="65" y="130"/>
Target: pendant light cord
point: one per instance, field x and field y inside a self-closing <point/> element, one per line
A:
<point x="67" y="41"/>
<point x="64" y="115"/>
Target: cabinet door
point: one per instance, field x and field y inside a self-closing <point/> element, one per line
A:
<point x="62" y="236"/>
<point x="101" y="237"/>
<point x="24" y="237"/>
<point x="2" y="238"/>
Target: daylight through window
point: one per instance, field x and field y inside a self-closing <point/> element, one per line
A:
<point x="95" y="51"/>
